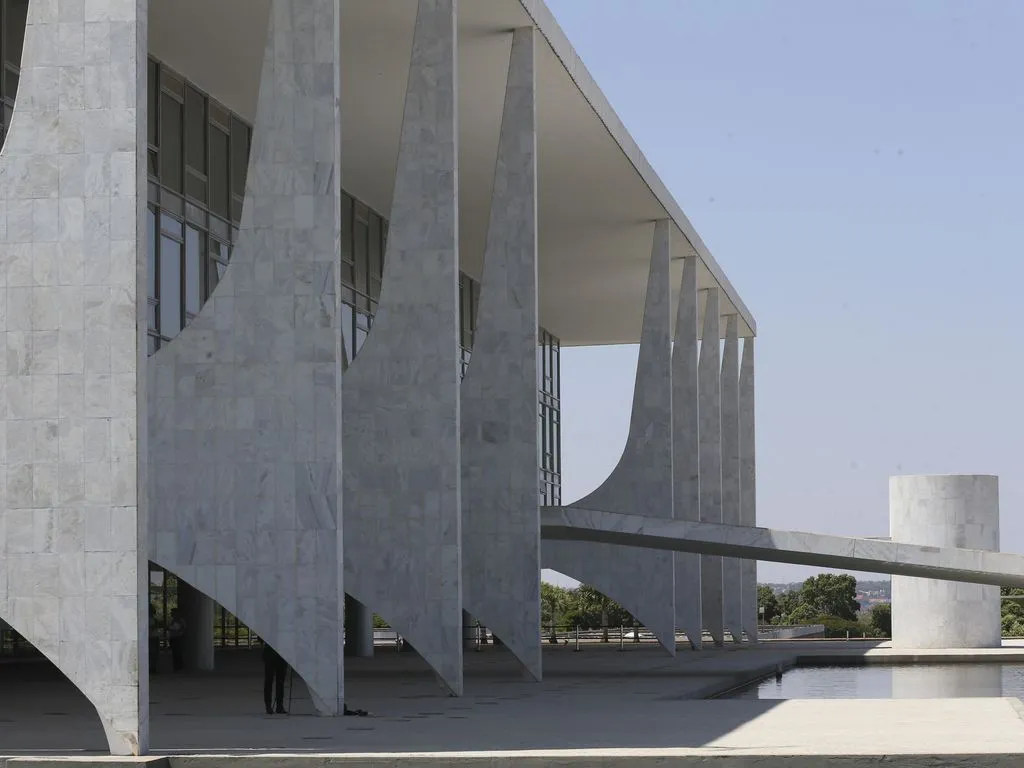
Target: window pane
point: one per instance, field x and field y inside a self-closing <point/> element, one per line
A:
<point x="193" y="270"/>
<point x="220" y="161"/>
<point x="170" y="143"/>
<point x="376" y="255"/>
<point x="239" y="155"/>
<point x="348" y="331"/>
<point x="152" y="99"/>
<point x="361" y="234"/>
<point x="195" y="133"/>
<point x="170" y="287"/>
<point x="14" y="32"/>
<point x="151" y="247"/>
<point x="212" y="277"/>
<point x="346" y="227"/>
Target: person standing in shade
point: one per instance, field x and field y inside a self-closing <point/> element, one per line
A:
<point x="274" y="670"/>
<point x="176" y="637"/>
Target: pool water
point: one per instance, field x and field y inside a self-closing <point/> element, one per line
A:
<point x="911" y="681"/>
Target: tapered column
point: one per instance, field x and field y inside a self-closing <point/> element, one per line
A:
<point x="643" y="582"/>
<point x="731" y="567"/>
<point x="500" y="514"/>
<point x="748" y="486"/>
<point x="686" y="450"/>
<point x="243" y="404"/>
<point x="710" y="407"/>
<point x="400" y="396"/>
<point x="73" y="522"/>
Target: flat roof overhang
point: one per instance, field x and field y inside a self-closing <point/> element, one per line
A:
<point x="597" y="195"/>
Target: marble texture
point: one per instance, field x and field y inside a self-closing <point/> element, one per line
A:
<point x="401" y="431"/>
<point x="945" y="511"/>
<point x="871" y="555"/>
<point x="73" y="574"/>
<point x="641" y="582"/>
<point x="732" y="595"/>
<point x="748" y="486"/>
<point x="686" y="450"/>
<point x="243" y="416"/>
<point x="709" y="406"/>
<point x="500" y="517"/>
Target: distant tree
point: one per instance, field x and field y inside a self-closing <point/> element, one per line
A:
<point x="379" y="623"/>
<point x="1012" y="619"/>
<point x="802" y="614"/>
<point x="555" y="603"/>
<point x="767" y="603"/>
<point x="1011" y="591"/>
<point x="830" y="594"/>
<point x="591" y="609"/>
<point x="881" y="619"/>
<point x="787" y="602"/>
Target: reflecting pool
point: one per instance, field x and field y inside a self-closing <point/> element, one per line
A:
<point x="916" y="681"/>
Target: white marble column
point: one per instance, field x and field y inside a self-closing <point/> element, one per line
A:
<point x="748" y="486"/>
<point x="732" y="595"/>
<point x="500" y="514"/>
<point x="401" y="430"/>
<point x="642" y="582"/>
<point x="244" y="462"/>
<point x="710" y="410"/>
<point x="73" y="519"/>
<point x="686" y="450"/>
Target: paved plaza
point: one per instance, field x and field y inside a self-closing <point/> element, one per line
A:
<point x="636" y="702"/>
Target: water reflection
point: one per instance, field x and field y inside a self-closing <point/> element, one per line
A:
<point x="924" y="681"/>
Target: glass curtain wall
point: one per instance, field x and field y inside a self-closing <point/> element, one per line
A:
<point x="13" y="16"/>
<point x="198" y="156"/>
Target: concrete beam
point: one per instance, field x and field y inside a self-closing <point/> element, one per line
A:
<point x="871" y="555"/>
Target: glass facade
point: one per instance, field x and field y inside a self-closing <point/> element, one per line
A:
<point x="198" y="157"/>
<point x="549" y="426"/>
<point x="13" y="16"/>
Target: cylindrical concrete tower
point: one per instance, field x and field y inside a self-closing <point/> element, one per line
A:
<point x="944" y="511"/>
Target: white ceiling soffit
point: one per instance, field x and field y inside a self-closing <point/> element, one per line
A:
<point x="598" y="197"/>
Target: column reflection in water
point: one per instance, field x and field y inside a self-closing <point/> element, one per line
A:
<point x="948" y="681"/>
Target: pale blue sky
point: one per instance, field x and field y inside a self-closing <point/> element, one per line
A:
<point x="857" y="169"/>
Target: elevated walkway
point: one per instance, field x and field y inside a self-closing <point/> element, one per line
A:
<point x="860" y="554"/>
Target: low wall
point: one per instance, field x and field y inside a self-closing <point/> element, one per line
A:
<point x="791" y="633"/>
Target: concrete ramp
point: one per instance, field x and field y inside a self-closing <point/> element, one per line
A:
<point x="860" y="554"/>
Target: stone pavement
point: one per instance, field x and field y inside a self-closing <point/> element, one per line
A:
<point x="638" y="702"/>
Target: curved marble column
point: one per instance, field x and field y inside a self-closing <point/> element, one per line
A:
<point x="710" y="410"/>
<point x="73" y="575"/>
<point x="686" y="450"/>
<point x="244" y="460"/>
<point x="500" y="514"/>
<point x="642" y="582"/>
<point x="401" y="431"/>
<point x="732" y="596"/>
<point x="748" y="486"/>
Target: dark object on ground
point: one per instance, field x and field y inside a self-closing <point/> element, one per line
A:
<point x="356" y="712"/>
